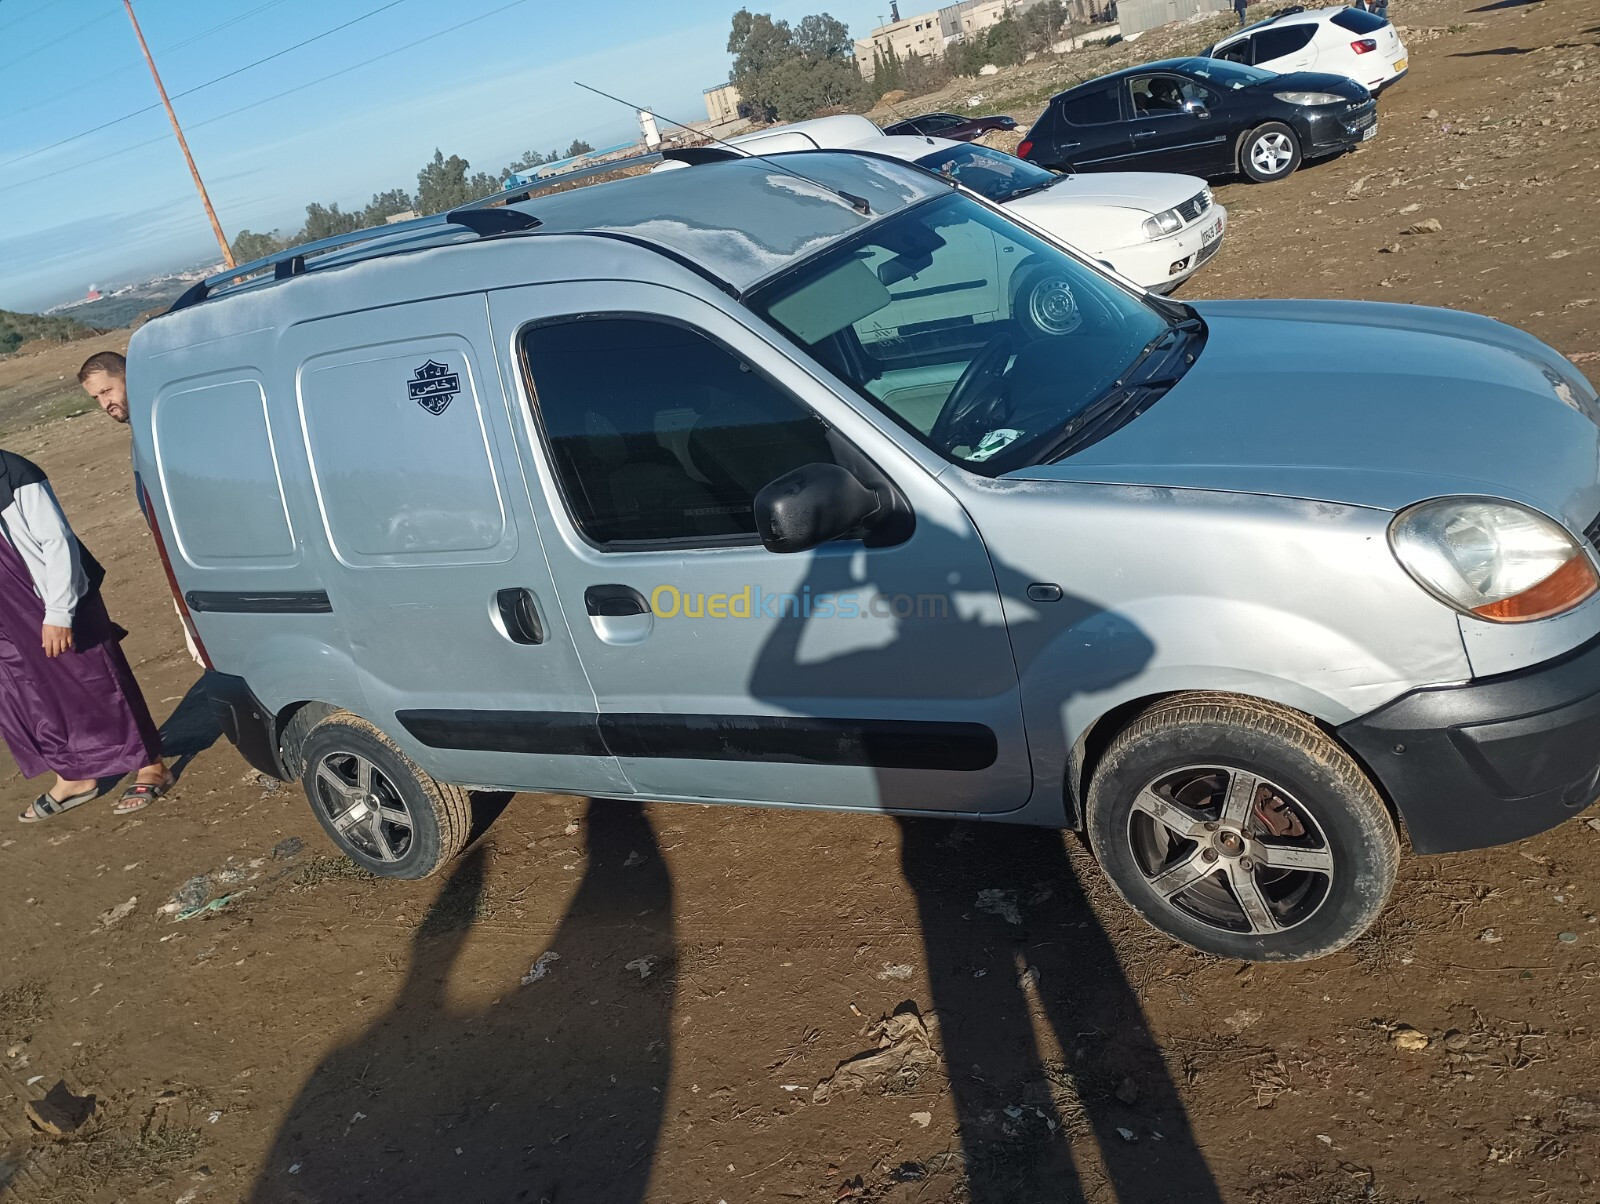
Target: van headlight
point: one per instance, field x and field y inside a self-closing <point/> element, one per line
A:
<point x="1166" y="222"/>
<point x="1492" y="559"/>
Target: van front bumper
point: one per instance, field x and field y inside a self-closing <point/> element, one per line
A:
<point x="1492" y="760"/>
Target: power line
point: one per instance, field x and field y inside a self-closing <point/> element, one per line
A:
<point x="125" y="150"/>
<point x="101" y="79"/>
<point x="77" y="29"/>
<point x="277" y="54"/>
<point x="28" y="16"/>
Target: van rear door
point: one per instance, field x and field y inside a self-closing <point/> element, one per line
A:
<point x="431" y="557"/>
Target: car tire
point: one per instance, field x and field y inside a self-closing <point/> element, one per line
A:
<point x="1269" y="152"/>
<point x="1043" y="303"/>
<point x="417" y="824"/>
<point x="1240" y="828"/>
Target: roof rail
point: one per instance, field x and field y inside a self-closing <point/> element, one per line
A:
<point x="291" y="261"/>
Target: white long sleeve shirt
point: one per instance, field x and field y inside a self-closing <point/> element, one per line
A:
<point x="31" y="520"/>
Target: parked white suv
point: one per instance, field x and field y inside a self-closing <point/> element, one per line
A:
<point x="1342" y="41"/>
<point x="1154" y="228"/>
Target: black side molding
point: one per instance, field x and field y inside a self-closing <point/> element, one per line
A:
<point x="794" y="740"/>
<point x="266" y="602"/>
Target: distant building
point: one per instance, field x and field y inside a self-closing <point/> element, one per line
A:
<point x="929" y="33"/>
<point x="401" y="217"/>
<point x="722" y="104"/>
<point x="1136" y="16"/>
<point x="93" y="294"/>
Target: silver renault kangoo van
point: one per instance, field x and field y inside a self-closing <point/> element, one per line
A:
<point x="812" y="480"/>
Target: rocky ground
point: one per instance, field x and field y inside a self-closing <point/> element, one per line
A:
<point x="743" y="1005"/>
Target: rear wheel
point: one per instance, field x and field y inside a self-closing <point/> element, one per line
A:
<point x="383" y="812"/>
<point x="1269" y="152"/>
<point x="1238" y="827"/>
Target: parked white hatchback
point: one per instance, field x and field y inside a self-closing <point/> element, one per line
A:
<point x="1154" y="228"/>
<point x="1341" y="41"/>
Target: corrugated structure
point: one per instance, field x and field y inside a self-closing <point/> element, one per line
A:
<point x="1136" y="16"/>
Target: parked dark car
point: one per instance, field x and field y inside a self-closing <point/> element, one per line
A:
<point x="951" y="125"/>
<point x="1207" y="117"/>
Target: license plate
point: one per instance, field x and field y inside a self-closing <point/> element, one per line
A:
<point x="1400" y="65"/>
<point x="1370" y="132"/>
<point x="1211" y="233"/>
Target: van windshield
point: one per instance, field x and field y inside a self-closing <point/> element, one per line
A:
<point x="994" y="347"/>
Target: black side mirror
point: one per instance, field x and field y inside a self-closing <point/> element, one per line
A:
<point x="1195" y="109"/>
<point x="810" y="505"/>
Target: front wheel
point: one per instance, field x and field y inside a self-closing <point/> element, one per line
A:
<point x="380" y="808"/>
<point x="1240" y="828"/>
<point x="1270" y="152"/>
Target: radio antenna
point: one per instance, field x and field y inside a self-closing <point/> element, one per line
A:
<point x="858" y="203"/>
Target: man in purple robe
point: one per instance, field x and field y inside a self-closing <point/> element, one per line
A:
<point x="68" y="699"/>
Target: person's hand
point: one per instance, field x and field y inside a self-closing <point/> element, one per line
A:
<point x="57" y="640"/>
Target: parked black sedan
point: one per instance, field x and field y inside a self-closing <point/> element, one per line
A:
<point x="951" y="125"/>
<point x="1206" y="117"/>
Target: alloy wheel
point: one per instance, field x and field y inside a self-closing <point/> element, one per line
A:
<point x="1271" y="153"/>
<point x="364" y="806"/>
<point x="1231" y="849"/>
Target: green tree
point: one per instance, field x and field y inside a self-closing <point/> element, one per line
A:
<point x="802" y="87"/>
<point x="326" y="221"/>
<point x="442" y="184"/>
<point x="793" y="73"/>
<point x="758" y="45"/>
<point x="249" y="246"/>
<point x="385" y="205"/>
<point x="578" y="147"/>
<point x="1005" y="42"/>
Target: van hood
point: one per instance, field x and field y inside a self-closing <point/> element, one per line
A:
<point x="1145" y="191"/>
<point x="1363" y="404"/>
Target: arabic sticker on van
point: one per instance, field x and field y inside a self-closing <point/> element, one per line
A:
<point x="433" y="386"/>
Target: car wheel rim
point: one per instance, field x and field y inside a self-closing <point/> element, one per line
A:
<point x="1271" y="153"/>
<point x="1052" y="308"/>
<point x="1231" y="849"/>
<point x="363" y="806"/>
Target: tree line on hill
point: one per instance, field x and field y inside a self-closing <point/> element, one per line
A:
<point x="17" y="329"/>
<point x="441" y="184"/>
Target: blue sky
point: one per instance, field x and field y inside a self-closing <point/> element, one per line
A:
<point x="103" y="209"/>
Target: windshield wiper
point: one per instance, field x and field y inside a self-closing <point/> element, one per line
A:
<point x="1130" y="393"/>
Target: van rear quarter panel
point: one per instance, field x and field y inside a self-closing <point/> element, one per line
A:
<point x="218" y="449"/>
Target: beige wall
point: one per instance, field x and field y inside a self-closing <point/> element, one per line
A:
<point x="722" y="104"/>
<point x="915" y="35"/>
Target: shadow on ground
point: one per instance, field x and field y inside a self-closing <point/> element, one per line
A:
<point x="552" y="1092"/>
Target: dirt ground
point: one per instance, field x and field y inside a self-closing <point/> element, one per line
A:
<point x="325" y="1038"/>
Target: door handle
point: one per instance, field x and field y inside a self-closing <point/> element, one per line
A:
<point x="1144" y="133"/>
<point x="614" y="601"/>
<point x="519" y="617"/>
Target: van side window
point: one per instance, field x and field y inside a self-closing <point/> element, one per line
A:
<point x="1092" y="108"/>
<point x="658" y="433"/>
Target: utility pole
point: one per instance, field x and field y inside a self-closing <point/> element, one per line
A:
<point x="205" y="198"/>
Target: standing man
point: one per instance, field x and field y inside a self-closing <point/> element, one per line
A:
<point x="1238" y="7"/>
<point x="104" y="377"/>
<point x="68" y="700"/>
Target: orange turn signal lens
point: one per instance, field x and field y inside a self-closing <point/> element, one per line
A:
<point x="1561" y="590"/>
